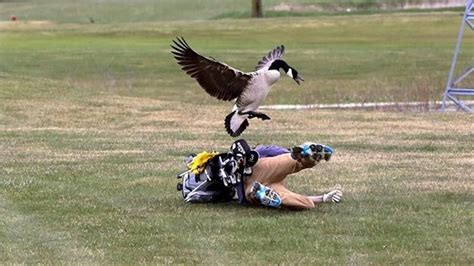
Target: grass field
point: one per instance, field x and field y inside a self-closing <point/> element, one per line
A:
<point x="95" y="120"/>
<point x="113" y="11"/>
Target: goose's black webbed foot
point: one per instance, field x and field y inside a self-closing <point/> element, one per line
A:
<point x="253" y="114"/>
<point x="263" y="116"/>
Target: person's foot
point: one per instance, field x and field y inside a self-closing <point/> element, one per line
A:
<point x="311" y="153"/>
<point x="267" y="196"/>
<point x="317" y="151"/>
<point x="334" y="196"/>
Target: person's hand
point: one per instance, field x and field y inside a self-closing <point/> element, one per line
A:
<point x="334" y="196"/>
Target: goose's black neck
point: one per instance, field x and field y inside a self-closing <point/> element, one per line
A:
<point x="277" y="64"/>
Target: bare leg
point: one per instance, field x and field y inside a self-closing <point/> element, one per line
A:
<point x="292" y="200"/>
<point x="275" y="169"/>
<point x="271" y="170"/>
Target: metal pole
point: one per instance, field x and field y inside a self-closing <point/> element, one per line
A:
<point x="456" y="53"/>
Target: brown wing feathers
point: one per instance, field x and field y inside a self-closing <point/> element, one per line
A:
<point x="217" y="79"/>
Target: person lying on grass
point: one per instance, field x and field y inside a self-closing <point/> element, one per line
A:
<point x="266" y="184"/>
<point x="254" y="177"/>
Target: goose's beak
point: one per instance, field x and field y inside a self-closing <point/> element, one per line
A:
<point x="298" y="79"/>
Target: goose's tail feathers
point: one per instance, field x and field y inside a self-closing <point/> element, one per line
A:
<point x="235" y="124"/>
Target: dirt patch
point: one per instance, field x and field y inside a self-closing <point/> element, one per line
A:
<point x="298" y="7"/>
<point x="434" y="4"/>
<point x="22" y="25"/>
<point x="348" y="7"/>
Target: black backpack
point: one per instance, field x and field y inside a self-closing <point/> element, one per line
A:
<point x="221" y="177"/>
<point x="201" y="188"/>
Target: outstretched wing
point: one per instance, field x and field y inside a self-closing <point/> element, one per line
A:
<point x="217" y="79"/>
<point x="273" y="55"/>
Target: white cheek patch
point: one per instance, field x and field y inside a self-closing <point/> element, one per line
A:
<point x="290" y="73"/>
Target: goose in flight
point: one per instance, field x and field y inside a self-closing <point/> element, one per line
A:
<point x="224" y="82"/>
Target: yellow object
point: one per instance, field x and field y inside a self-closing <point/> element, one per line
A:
<point x="199" y="161"/>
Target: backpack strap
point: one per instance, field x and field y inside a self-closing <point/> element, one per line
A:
<point x="241" y="194"/>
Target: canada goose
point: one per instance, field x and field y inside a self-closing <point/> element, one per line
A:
<point x="226" y="83"/>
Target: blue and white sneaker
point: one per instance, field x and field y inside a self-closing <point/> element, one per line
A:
<point x="317" y="151"/>
<point x="266" y="195"/>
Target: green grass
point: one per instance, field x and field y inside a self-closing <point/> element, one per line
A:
<point x="401" y="57"/>
<point x="120" y="11"/>
<point x="95" y="121"/>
